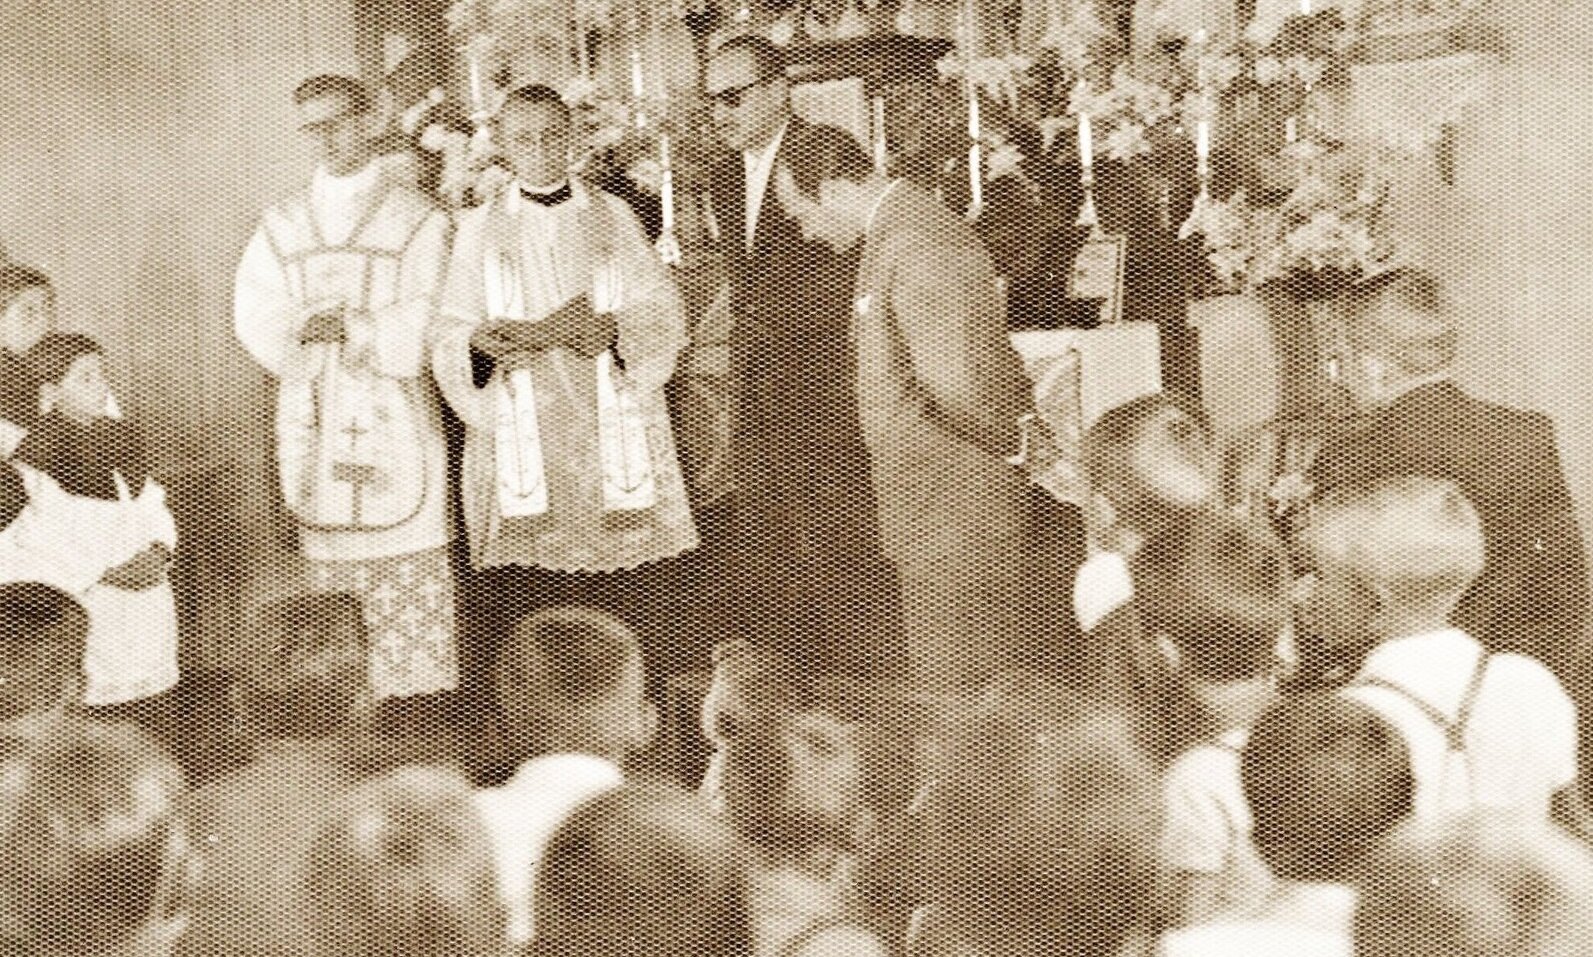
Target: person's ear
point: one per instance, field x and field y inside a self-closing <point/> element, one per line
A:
<point x="1168" y="649"/>
<point x="646" y="726"/>
<point x="49" y="397"/>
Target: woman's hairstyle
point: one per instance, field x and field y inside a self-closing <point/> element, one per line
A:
<point x="1488" y="885"/>
<point x="42" y="631"/>
<point x="310" y="668"/>
<point x="1217" y="587"/>
<point x="402" y="867"/>
<point x="16" y="279"/>
<point x="51" y="357"/>
<point x="1042" y="824"/>
<point x="642" y="872"/>
<point x="1326" y="777"/>
<point x="94" y="839"/>
<point x="1415" y="540"/>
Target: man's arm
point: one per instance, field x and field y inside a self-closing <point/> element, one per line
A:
<point x="266" y="316"/>
<point x="952" y="318"/>
<point x="461" y="309"/>
<point x="651" y="317"/>
<point x="396" y="334"/>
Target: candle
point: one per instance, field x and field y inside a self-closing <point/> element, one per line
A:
<point x="976" y="180"/>
<point x="478" y="98"/>
<point x="666" y="184"/>
<point x="973" y="112"/>
<point x="1305" y="8"/>
<point x="1203" y="140"/>
<point x="638" y="90"/>
<point x="1086" y="142"/>
<point x="1291" y="130"/>
<point x="879" y="134"/>
<point x="582" y="53"/>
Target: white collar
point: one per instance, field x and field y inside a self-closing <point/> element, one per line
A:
<point x="754" y="157"/>
<point x="331" y="187"/>
<point x="1414" y="654"/>
<point x="569" y="767"/>
<point x="873" y="212"/>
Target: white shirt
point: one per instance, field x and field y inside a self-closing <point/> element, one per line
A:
<point x="1305" y="920"/>
<point x="1208" y="824"/>
<point x="760" y="166"/>
<point x="1103" y="585"/>
<point x="338" y="200"/>
<point x="522" y="816"/>
<point x="1521" y="740"/>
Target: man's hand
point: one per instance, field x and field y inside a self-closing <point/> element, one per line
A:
<point x="576" y="327"/>
<point x="141" y="572"/>
<point x="501" y="337"/>
<point x="325" y="326"/>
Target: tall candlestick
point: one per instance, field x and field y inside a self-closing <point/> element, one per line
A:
<point x="1203" y="140"/>
<point x="478" y="97"/>
<point x="581" y="52"/>
<point x="1086" y="142"/>
<point x="638" y="89"/>
<point x="1291" y="130"/>
<point x="879" y="134"/>
<point x="666" y="186"/>
<point x="976" y="179"/>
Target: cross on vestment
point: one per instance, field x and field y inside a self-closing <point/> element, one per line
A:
<point x="356" y="475"/>
<point x="413" y="618"/>
<point x="383" y="597"/>
<point x="432" y="591"/>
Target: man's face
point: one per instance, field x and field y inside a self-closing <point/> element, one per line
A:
<point x="829" y="219"/>
<point x="747" y="108"/>
<point x="83" y="394"/>
<point x="1334" y="608"/>
<point x="29" y="316"/>
<point x="536" y="137"/>
<point x="341" y="135"/>
<point x="1172" y="459"/>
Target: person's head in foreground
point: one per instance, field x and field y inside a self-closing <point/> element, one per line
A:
<point x="42" y="631"/>
<point x="1042" y="829"/>
<point x="1326" y="778"/>
<point x="535" y="129"/>
<point x="310" y="671"/>
<point x="98" y="860"/>
<point x="27" y="307"/>
<point x="401" y="867"/>
<point x="70" y="371"/>
<point x="1213" y="596"/>
<point x="748" y="93"/>
<point x="335" y="112"/>
<point x="1487" y="885"/>
<point x="821" y="775"/>
<point x="829" y="186"/>
<point x="1150" y="465"/>
<point x="1401" y="335"/>
<point x="642" y="872"/>
<point x="571" y="680"/>
<point x="1386" y="559"/>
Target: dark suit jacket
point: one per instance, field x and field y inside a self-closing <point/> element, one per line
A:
<point x="801" y="472"/>
<point x="1532" y="595"/>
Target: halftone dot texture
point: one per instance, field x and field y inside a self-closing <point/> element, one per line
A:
<point x="859" y="445"/>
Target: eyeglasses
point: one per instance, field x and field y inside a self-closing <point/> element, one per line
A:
<point x="733" y="98"/>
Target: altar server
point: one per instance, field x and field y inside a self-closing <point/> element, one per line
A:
<point x="556" y="300"/>
<point x="334" y="297"/>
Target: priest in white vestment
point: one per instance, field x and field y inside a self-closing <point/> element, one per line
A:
<point x="560" y="329"/>
<point x="335" y="297"/>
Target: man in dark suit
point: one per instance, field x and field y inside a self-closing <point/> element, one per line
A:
<point x="1532" y="594"/>
<point x="804" y="543"/>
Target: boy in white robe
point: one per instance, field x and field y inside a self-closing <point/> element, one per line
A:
<point x="334" y="298"/>
<point x="99" y="522"/>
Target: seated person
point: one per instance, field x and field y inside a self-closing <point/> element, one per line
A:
<point x="1213" y="598"/>
<point x="1489" y="884"/>
<point x="254" y="824"/>
<point x="642" y="872"/>
<point x="101" y="521"/>
<point x="571" y="690"/>
<point x="1531" y="596"/>
<point x="1390" y="560"/>
<point x="1040" y="831"/>
<point x="401" y="865"/>
<point x="748" y="685"/>
<point x="814" y="785"/>
<point x="1325" y="778"/>
<point x="42" y="630"/>
<point x="99" y="861"/>
<point x="27" y="312"/>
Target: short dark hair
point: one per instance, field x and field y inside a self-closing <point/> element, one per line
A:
<point x="42" y="632"/>
<point x="642" y="872"/>
<point x="16" y="279"/>
<point x="1326" y="778"/>
<point x="91" y="815"/>
<point x="538" y="94"/>
<point x="310" y="667"/>
<point x="51" y="357"/>
<point x="1108" y="444"/>
<point x="558" y="667"/>
<point x="1420" y="336"/>
<point x="824" y="153"/>
<point x="769" y="59"/>
<point x="356" y="97"/>
<point x="1217" y="587"/>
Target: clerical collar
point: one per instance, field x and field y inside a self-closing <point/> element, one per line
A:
<point x="547" y="197"/>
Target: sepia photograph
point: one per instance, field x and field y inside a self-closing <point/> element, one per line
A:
<point x="796" y="478"/>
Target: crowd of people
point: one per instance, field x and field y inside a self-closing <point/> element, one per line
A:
<point x="1345" y="726"/>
